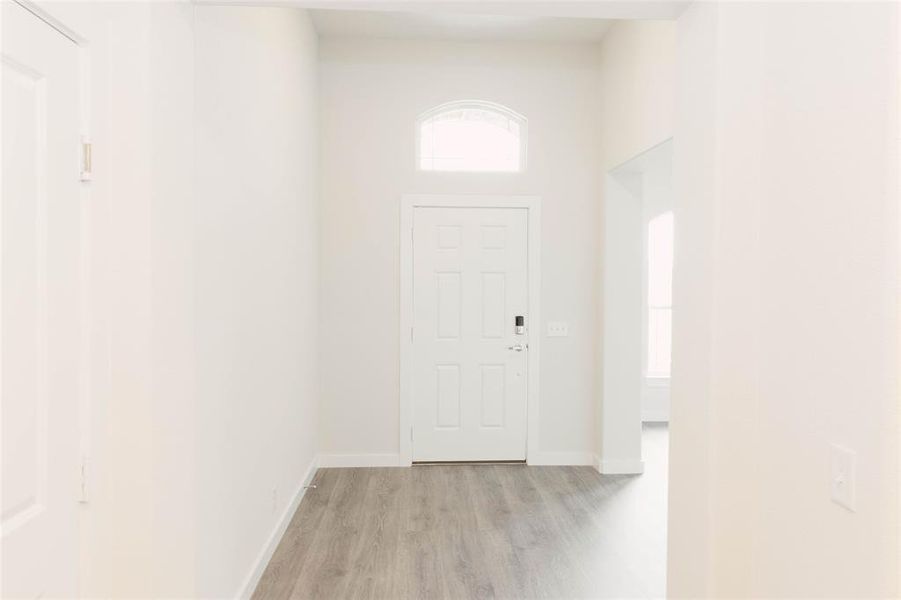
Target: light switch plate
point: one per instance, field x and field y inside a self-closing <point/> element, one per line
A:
<point x="842" y="476"/>
<point x="557" y="329"/>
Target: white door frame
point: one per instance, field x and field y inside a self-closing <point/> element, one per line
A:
<point x="81" y="174"/>
<point x="85" y="395"/>
<point x="409" y="203"/>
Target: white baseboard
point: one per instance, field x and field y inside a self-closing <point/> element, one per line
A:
<point x="253" y="578"/>
<point x="562" y="459"/>
<point x="655" y="416"/>
<point x="358" y="460"/>
<point x="393" y="460"/>
<point x="619" y="466"/>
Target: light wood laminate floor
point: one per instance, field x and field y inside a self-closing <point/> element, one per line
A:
<point x="473" y="531"/>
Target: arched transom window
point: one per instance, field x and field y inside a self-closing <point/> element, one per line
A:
<point x="472" y="136"/>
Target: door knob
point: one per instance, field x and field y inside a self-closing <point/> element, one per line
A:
<point x="517" y="347"/>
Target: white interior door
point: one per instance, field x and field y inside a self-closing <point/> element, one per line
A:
<point x="469" y="379"/>
<point x="39" y="325"/>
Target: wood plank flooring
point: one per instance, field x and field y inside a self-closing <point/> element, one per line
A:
<point x="477" y="531"/>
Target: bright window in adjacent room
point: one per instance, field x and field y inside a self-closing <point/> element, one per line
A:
<point x="660" y="294"/>
<point x="472" y="136"/>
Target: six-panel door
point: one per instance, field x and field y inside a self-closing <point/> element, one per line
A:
<point x="469" y="379"/>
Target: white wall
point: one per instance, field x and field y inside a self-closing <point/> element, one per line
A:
<point x="172" y="455"/>
<point x="637" y="103"/>
<point x="634" y="193"/>
<point x="619" y="448"/>
<point x="371" y="95"/>
<point x="656" y="199"/>
<point x="256" y="282"/>
<point x="172" y="280"/>
<point x="137" y="423"/>
<point x="786" y="330"/>
<point x="200" y="408"/>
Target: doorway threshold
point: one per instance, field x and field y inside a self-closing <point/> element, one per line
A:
<point x="448" y="463"/>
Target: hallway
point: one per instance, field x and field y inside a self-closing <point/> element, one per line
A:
<point x="371" y="299"/>
<point x="478" y="531"/>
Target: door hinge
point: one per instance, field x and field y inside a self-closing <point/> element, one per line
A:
<point x="86" y="159"/>
<point x="83" y="480"/>
<point x="411" y="334"/>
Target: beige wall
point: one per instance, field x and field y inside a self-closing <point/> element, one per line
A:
<point x="786" y="300"/>
<point x="137" y="416"/>
<point x="200" y="408"/>
<point x="638" y="76"/>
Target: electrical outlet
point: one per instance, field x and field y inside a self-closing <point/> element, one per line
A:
<point x="557" y="329"/>
<point x="842" y="476"/>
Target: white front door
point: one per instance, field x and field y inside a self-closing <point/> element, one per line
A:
<point x="39" y="310"/>
<point x="469" y="379"/>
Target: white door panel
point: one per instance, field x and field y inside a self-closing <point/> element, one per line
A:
<point x="39" y="279"/>
<point x="470" y="280"/>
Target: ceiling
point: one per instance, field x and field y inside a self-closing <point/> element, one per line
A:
<point x="457" y="26"/>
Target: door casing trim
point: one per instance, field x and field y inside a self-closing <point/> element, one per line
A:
<point x="408" y="204"/>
